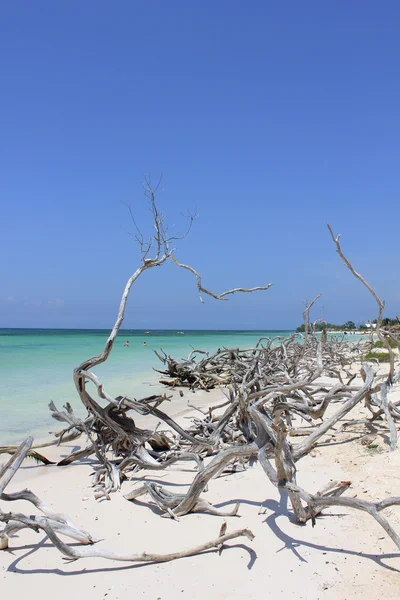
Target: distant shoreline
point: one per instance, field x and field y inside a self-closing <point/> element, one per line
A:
<point x="348" y="331"/>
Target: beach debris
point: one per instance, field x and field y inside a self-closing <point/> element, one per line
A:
<point x="54" y="524"/>
<point x="367" y="440"/>
<point x="37" y="456"/>
<point x="271" y="390"/>
<point x="304" y="387"/>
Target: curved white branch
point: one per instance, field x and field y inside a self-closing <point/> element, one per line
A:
<point x="210" y="293"/>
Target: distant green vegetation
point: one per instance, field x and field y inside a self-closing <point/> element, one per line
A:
<point x="381" y="356"/>
<point x="380" y="344"/>
<point x="348" y="326"/>
<point x="386" y="322"/>
<point x="389" y="322"/>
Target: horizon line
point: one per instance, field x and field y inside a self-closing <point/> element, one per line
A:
<point x="131" y="329"/>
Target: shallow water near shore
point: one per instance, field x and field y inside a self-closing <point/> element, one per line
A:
<point x="36" y="366"/>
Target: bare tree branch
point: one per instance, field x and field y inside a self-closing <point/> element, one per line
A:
<point x="210" y="293"/>
<point x="380" y="303"/>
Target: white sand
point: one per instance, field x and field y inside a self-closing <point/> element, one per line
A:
<point x="347" y="555"/>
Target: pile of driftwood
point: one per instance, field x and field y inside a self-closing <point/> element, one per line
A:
<point x="261" y="366"/>
<point x="277" y="390"/>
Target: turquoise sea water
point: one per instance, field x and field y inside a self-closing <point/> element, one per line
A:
<point x="36" y="366"/>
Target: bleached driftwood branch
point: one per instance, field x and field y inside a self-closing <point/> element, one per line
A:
<point x="54" y="524"/>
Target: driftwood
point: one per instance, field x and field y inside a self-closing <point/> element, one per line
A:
<point x="54" y="524"/>
<point x="272" y="390"/>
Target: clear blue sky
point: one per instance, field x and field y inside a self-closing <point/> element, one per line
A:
<point x="269" y="117"/>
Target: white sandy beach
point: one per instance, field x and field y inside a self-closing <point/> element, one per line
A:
<point x="191" y="194"/>
<point x="346" y="556"/>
